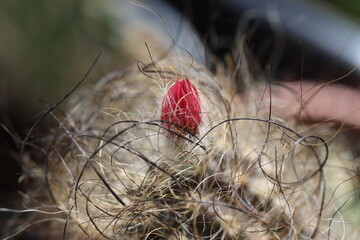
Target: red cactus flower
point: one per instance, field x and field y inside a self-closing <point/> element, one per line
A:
<point x="181" y="106"/>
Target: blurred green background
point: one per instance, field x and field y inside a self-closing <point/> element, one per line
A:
<point x="351" y="7"/>
<point x="46" y="46"/>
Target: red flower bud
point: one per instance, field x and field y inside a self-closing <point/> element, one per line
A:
<point x="181" y="106"/>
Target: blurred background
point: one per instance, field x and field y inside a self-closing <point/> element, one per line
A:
<point x="47" y="46"/>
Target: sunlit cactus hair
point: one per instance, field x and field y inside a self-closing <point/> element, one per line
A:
<point x="119" y="166"/>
